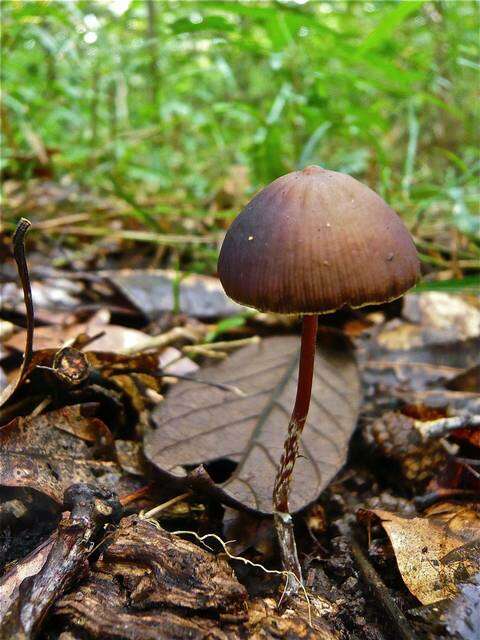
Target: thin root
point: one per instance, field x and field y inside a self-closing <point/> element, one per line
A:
<point x="252" y="564"/>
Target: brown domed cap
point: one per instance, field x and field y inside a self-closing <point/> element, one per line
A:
<point x="314" y="241"/>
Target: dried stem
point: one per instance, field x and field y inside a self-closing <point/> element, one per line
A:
<point x="165" y="505"/>
<point x="18" y="242"/>
<point x="283" y="519"/>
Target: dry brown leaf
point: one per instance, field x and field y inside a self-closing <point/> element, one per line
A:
<point x="133" y="375"/>
<point x="41" y="453"/>
<point x="130" y="457"/>
<point x="198" y="424"/>
<point x="112" y="338"/>
<point x="436" y="553"/>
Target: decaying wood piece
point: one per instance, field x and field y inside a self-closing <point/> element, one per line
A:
<point x="154" y="585"/>
<point x="89" y="508"/>
<point x="145" y="578"/>
<point x="100" y="607"/>
<point x="163" y="569"/>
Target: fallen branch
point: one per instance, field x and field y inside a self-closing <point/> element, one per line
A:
<point x="442" y="426"/>
<point x="89" y="509"/>
<point x="380" y="591"/>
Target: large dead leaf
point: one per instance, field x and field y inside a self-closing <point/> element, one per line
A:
<point x="436" y="553"/>
<point x="198" y="424"/>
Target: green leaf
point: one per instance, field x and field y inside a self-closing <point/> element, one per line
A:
<point x="225" y="325"/>
<point x="389" y="23"/>
<point x="213" y="23"/>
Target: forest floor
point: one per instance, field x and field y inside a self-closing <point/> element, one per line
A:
<point x="124" y="512"/>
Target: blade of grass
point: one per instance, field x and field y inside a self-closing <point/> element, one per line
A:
<point x="466" y="284"/>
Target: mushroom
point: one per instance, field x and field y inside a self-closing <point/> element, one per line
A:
<point x="312" y="242"/>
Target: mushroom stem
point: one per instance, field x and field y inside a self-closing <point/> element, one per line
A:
<point x="281" y="490"/>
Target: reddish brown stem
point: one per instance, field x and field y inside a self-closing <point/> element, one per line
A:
<point x="299" y="414"/>
<point x="281" y="490"/>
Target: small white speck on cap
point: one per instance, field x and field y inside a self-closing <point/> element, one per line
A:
<point x="250" y="237"/>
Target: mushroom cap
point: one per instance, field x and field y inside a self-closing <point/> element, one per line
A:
<point x="314" y="241"/>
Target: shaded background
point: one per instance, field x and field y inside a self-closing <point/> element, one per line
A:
<point x="151" y="117"/>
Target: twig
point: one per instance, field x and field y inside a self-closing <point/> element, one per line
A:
<point x="161" y="507"/>
<point x="207" y="347"/>
<point x="468" y="461"/>
<point x="437" y="428"/>
<point x="61" y="221"/>
<point x="163" y="340"/>
<point x="443" y="493"/>
<point x="166" y="374"/>
<point x="201" y="350"/>
<point x="40" y="407"/>
<point x="135" y="495"/>
<point x="19" y="255"/>
<point x="375" y="583"/>
<point x="216" y="385"/>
